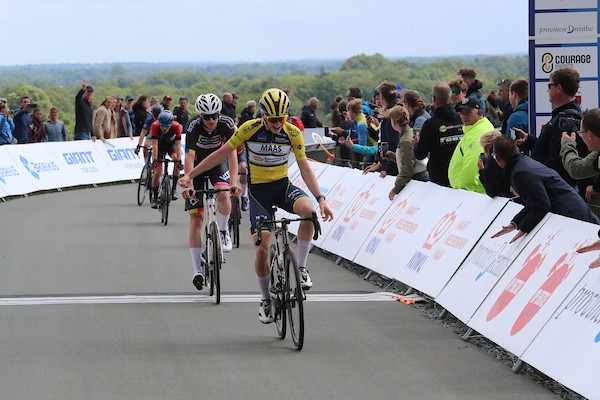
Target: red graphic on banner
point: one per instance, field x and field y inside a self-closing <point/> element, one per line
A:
<point x="532" y="263"/>
<point x="578" y="98"/>
<point x="334" y="192"/>
<point x="358" y="203"/>
<point x="557" y="275"/>
<point x="440" y="229"/>
<point x="393" y="215"/>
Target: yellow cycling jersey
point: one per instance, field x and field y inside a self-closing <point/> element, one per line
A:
<point x="267" y="152"/>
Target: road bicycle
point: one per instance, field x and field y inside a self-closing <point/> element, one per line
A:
<point x="287" y="296"/>
<point x="165" y="190"/>
<point x="145" y="182"/>
<point x="213" y="248"/>
<point x="235" y="218"/>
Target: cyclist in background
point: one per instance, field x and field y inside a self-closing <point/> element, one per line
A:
<point x="269" y="140"/>
<point x="144" y="138"/>
<point x="165" y="138"/>
<point x="205" y="134"/>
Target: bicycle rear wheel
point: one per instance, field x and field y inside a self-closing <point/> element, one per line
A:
<point x="142" y="185"/>
<point x="276" y="286"/>
<point x="294" y="297"/>
<point x="165" y="198"/>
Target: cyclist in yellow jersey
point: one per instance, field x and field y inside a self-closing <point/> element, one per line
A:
<point x="269" y="140"/>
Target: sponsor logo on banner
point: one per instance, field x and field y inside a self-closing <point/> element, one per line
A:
<point x="550" y="62"/>
<point x="584" y="304"/>
<point x="435" y="235"/>
<point x="386" y="224"/>
<point x="35" y="168"/>
<point x="557" y="275"/>
<point x="8" y="172"/>
<point x="357" y="204"/>
<point x="82" y="158"/>
<point x="531" y="264"/>
<point x="124" y="156"/>
<point x="496" y="263"/>
<point x="567" y="29"/>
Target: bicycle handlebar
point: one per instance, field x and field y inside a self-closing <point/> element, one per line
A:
<point x="286" y="221"/>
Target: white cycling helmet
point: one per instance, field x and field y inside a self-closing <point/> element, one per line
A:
<point x="207" y="104"/>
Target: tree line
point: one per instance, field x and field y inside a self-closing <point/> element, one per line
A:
<point x="57" y="85"/>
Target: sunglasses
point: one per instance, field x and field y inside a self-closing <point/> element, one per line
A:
<point x="455" y="91"/>
<point x="207" y="117"/>
<point x="165" y="125"/>
<point x="274" y="120"/>
<point x="552" y="84"/>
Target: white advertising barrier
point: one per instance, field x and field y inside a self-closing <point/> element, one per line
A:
<point x="14" y="178"/>
<point x="361" y="215"/>
<point x="437" y="235"/>
<point x="484" y="266"/>
<point x="317" y="169"/>
<point x="120" y="157"/>
<point x="568" y="347"/>
<point x="39" y="163"/>
<point x="535" y="285"/>
<point x="340" y="196"/>
<point x="82" y="161"/>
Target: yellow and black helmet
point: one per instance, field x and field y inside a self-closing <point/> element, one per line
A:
<point x="274" y="103"/>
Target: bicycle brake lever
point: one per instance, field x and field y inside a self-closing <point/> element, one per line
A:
<point x="317" y="225"/>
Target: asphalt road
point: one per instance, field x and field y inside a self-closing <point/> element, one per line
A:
<point x="96" y="302"/>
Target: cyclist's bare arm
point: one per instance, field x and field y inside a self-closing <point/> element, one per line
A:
<point x="188" y="165"/>
<point x="311" y="182"/>
<point x="232" y="160"/>
<point x="208" y="163"/>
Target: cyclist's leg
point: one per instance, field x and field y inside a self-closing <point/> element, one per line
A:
<point x="219" y="177"/>
<point x="297" y="201"/>
<point x="173" y="155"/>
<point x="195" y="208"/>
<point x="261" y="202"/>
<point x="243" y="181"/>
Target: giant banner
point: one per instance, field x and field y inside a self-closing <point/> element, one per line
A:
<point x="14" y="178"/>
<point x="82" y="161"/>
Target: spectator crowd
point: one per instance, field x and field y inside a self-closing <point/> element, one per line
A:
<point x="457" y="137"/>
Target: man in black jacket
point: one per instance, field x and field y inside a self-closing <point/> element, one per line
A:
<point x="439" y="136"/>
<point x="566" y="115"/>
<point x="308" y="115"/>
<point x="541" y="189"/>
<point x="83" y="112"/>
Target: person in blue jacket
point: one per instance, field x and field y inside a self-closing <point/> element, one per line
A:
<point x="518" y="94"/>
<point x="6" y="125"/>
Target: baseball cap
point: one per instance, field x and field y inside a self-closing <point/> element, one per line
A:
<point x="129" y="97"/>
<point x="506" y="82"/>
<point x="89" y="88"/>
<point x="469" y="104"/>
<point x="167" y="98"/>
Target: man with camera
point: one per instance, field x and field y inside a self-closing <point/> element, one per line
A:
<point x="22" y="119"/>
<point x="566" y="117"/>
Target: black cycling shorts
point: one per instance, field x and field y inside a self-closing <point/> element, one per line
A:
<point x="219" y="175"/>
<point x="263" y="196"/>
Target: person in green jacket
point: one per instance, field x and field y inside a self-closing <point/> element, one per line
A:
<point x="463" y="172"/>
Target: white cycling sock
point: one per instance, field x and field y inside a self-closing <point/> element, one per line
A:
<point x="302" y="252"/>
<point x="263" y="284"/>
<point x="223" y="221"/>
<point x="244" y="187"/>
<point x="196" y="254"/>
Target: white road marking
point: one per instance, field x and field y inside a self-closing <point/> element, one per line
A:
<point x="202" y="298"/>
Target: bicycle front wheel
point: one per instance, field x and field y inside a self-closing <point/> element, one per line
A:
<point x="277" y="287"/>
<point x="216" y="260"/>
<point x="294" y="298"/>
<point x="142" y="185"/>
<point x="165" y="198"/>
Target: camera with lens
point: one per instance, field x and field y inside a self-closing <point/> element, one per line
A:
<point x="33" y="106"/>
<point x="569" y="123"/>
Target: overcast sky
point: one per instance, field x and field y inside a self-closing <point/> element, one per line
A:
<point x="100" y="31"/>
